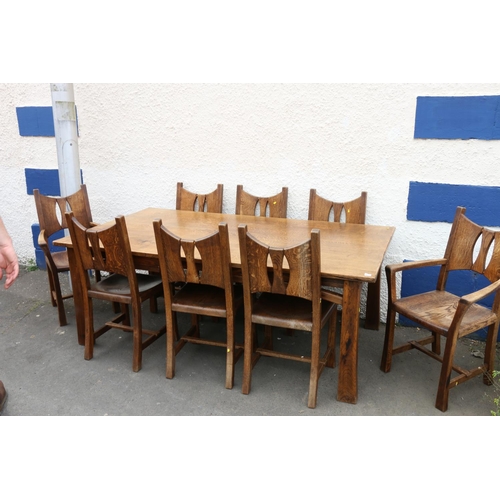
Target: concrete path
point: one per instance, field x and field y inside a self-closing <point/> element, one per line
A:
<point x="42" y="367"/>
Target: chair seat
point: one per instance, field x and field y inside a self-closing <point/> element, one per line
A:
<point x="61" y="260"/>
<point x="204" y="299"/>
<point x="277" y="310"/>
<point x="435" y="311"/>
<point x="116" y="284"/>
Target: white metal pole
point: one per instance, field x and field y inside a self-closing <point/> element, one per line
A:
<point x="68" y="159"/>
<point x="65" y="131"/>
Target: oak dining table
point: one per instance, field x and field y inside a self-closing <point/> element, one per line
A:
<point x="351" y="254"/>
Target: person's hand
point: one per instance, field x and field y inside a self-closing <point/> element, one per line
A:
<point x="8" y="264"/>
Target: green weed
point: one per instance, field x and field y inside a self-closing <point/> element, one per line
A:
<point x="496" y="401"/>
<point x="31" y="265"/>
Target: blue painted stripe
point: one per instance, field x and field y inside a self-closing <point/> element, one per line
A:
<point x="430" y="202"/>
<point x="474" y="117"/>
<point x="35" y="121"/>
<point x="40" y="259"/>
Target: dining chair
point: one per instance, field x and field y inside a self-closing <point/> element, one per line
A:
<point x="107" y="248"/>
<point x="202" y="267"/>
<point x="350" y="212"/>
<point x="288" y="296"/>
<point x="51" y="210"/>
<point x="470" y="247"/>
<point x="196" y="202"/>
<point x="271" y="206"/>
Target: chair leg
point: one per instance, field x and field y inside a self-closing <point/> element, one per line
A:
<point x="446" y="368"/>
<point x="52" y="290"/>
<point x="314" y="375"/>
<point x="126" y="314"/>
<point x="436" y="345"/>
<point x="153" y="305"/>
<point x="268" y="337"/>
<point x="195" y="324"/>
<point x="385" y="365"/>
<point x="137" y="341"/>
<point x="56" y="297"/>
<point x="172" y="336"/>
<point x="230" y="354"/>
<point x="247" y="356"/>
<point x="331" y="343"/>
<point x="89" y="332"/>
<point x="489" y="354"/>
<point x="61" y="312"/>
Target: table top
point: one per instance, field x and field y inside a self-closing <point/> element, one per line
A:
<point x="348" y="251"/>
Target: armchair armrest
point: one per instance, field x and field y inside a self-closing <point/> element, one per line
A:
<point x="467" y="301"/>
<point x="474" y="297"/>
<point x="403" y="266"/>
<point x="42" y="241"/>
<point x="391" y="271"/>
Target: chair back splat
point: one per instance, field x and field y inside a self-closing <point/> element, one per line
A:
<point x="322" y="209"/>
<point x="196" y="202"/>
<point x="272" y="206"/>
<point x="51" y="210"/>
<point x="470" y="247"/>
<point x="282" y="288"/>
<point x="197" y="280"/>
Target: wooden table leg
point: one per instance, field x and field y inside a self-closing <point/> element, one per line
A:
<point x="77" y="298"/>
<point x="347" y="390"/>
<point x="372" y="316"/>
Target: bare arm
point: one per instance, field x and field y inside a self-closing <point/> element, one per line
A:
<point x="8" y="257"/>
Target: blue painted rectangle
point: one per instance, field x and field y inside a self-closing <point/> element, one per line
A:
<point x="35" y="121"/>
<point x="40" y="259"/>
<point x="473" y="117"/>
<point x="430" y="202"/>
<point x="46" y="180"/>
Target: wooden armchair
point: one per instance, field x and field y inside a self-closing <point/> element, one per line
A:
<point x="272" y="206"/>
<point x="210" y="202"/>
<point x="288" y="297"/>
<point x="107" y="248"/>
<point x="448" y="315"/>
<point x="51" y="210"/>
<point x="350" y="212"/>
<point x="202" y="269"/>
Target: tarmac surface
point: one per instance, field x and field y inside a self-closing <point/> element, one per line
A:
<point x="42" y="367"/>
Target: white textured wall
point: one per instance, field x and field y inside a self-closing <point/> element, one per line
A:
<point x="138" y="140"/>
